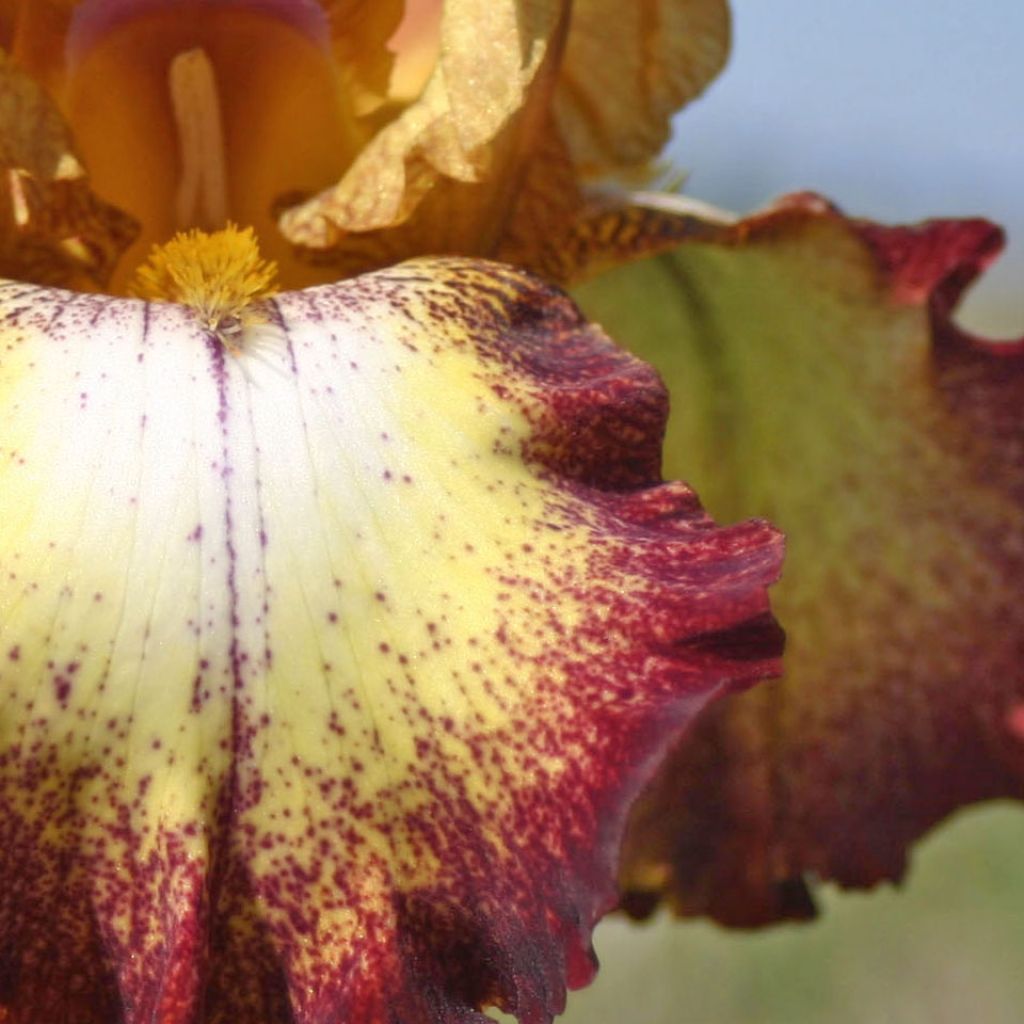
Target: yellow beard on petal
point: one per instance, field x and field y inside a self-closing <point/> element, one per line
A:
<point x="220" y="276"/>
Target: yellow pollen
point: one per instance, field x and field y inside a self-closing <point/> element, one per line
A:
<point x="219" y="274"/>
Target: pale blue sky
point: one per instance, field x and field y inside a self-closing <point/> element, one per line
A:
<point x="897" y="110"/>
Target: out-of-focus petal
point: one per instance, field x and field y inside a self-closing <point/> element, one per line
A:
<point x="415" y="45"/>
<point x="360" y="30"/>
<point x="331" y="660"/>
<point x="32" y="32"/>
<point x="817" y="379"/>
<point x="53" y="229"/>
<point x="627" y="68"/>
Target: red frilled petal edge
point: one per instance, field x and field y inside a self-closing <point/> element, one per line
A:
<point x="331" y="665"/>
<point x="818" y="380"/>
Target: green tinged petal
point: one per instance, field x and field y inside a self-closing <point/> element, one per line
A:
<point x="817" y="380"/>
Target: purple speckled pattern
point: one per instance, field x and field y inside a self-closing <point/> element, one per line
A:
<point x="330" y="669"/>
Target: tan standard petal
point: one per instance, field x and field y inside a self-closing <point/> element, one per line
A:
<point x="333" y="650"/>
<point x="817" y="380"/>
<point x="53" y="229"/>
<point x="466" y="137"/>
<point x="627" y="68"/>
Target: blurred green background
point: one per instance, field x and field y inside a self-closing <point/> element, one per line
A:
<point x="945" y="948"/>
<point x="897" y="111"/>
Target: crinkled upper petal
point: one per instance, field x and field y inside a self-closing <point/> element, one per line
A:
<point x="627" y="68"/>
<point x="331" y="657"/>
<point x="817" y="379"/>
<point x="471" y="125"/>
<point x="526" y="102"/>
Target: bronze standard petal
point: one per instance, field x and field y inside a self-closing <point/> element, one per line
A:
<point x="332" y="654"/>
<point x="472" y="126"/>
<point x="528" y="101"/>
<point x="818" y="380"/>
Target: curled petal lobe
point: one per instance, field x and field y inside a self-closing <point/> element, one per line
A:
<point x="818" y="380"/>
<point x="331" y="659"/>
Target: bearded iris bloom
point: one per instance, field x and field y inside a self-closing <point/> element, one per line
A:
<point x="340" y="625"/>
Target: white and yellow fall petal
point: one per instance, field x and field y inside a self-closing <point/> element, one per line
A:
<point x="331" y="651"/>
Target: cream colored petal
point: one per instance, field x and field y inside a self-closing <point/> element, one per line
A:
<point x="627" y="68"/>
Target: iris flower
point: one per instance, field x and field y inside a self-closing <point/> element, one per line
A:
<point x="340" y="625"/>
<point x="343" y="611"/>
